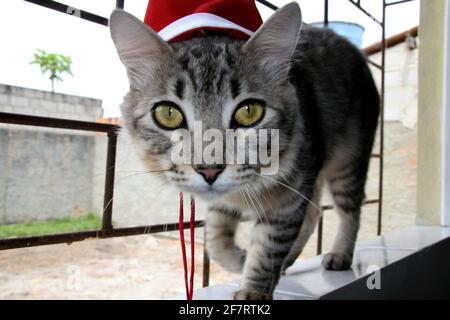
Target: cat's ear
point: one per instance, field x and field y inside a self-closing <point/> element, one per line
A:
<point x="140" y="49"/>
<point x="274" y="42"/>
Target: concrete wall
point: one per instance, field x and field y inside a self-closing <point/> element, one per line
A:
<point x="45" y="173"/>
<point x="47" y="104"/>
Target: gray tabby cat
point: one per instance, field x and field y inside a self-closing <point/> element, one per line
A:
<point x="313" y="85"/>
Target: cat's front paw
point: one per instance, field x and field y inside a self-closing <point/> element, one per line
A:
<point x="337" y="261"/>
<point x="246" y="294"/>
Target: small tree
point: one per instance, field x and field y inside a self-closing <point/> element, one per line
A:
<point x="52" y="64"/>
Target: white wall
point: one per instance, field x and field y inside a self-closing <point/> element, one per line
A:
<point x="401" y="83"/>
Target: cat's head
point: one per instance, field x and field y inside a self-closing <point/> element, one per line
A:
<point x="214" y="82"/>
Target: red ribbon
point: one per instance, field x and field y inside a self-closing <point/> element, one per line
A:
<point x="188" y="285"/>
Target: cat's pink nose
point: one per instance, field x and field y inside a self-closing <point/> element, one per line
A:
<point x="210" y="174"/>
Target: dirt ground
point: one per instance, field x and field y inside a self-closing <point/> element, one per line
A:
<point x="140" y="267"/>
<point x="149" y="267"/>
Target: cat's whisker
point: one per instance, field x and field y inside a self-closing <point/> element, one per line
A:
<point x="265" y="197"/>
<point x="244" y="196"/>
<point x="164" y="184"/>
<point x="107" y="205"/>
<point x="257" y="199"/>
<point x="272" y="245"/>
<point x="250" y="202"/>
<point x="257" y="213"/>
<point x="267" y="200"/>
<point x="156" y="173"/>
<point x="141" y="171"/>
<point x="147" y="172"/>
<point x="292" y="189"/>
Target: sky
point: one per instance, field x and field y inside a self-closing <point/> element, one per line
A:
<point x="97" y="71"/>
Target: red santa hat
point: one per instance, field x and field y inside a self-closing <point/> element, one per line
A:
<point x="176" y="20"/>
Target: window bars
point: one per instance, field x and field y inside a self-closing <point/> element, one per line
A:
<point x="108" y="230"/>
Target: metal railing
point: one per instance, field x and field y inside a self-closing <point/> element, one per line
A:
<point x="108" y="230"/>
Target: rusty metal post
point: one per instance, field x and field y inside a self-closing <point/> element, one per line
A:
<point x="120" y="4"/>
<point x="319" y="235"/>
<point x="205" y="261"/>
<point x="383" y="88"/>
<point x="268" y="4"/>
<point x="320" y="224"/>
<point x="109" y="182"/>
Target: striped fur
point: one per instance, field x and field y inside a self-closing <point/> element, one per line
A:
<point x="318" y="91"/>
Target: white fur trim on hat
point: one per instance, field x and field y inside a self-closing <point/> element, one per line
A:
<point x="198" y="20"/>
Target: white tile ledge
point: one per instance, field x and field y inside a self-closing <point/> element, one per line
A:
<point x="307" y="280"/>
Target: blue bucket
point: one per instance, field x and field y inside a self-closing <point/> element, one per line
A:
<point x="352" y="31"/>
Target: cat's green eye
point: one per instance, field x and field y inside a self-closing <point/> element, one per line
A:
<point x="168" y="116"/>
<point x="249" y="114"/>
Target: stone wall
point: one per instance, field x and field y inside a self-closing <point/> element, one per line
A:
<point x="45" y="173"/>
<point x="47" y="104"/>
